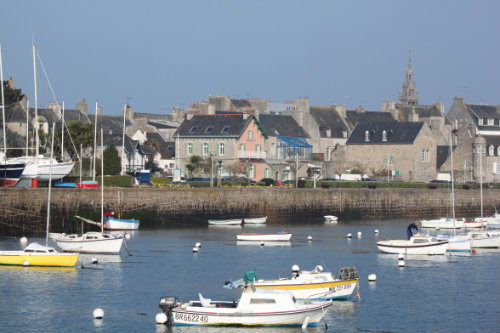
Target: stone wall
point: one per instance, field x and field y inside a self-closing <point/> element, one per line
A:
<point x="23" y="210"/>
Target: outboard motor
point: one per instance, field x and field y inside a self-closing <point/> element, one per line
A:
<point x="167" y="303"/>
<point x="295" y="271"/>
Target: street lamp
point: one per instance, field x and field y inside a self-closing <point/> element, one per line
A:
<point x="212" y="169"/>
<point x="219" y="165"/>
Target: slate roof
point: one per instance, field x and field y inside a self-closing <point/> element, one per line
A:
<point x="165" y="148"/>
<point x="163" y="124"/>
<point x="485" y="111"/>
<point x="423" y="111"/>
<point x="442" y="154"/>
<point x="281" y="126"/>
<point x="354" y="117"/>
<point x="326" y="117"/>
<point x="397" y="133"/>
<point x="218" y="125"/>
<point x="494" y="141"/>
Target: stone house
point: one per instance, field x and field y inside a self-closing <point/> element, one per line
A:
<point x="286" y="146"/>
<point x="476" y="132"/>
<point x="233" y="142"/>
<point x="401" y="151"/>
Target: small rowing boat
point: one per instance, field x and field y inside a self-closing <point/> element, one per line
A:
<point x="255" y="220"/>
<point x="269" y="236"/>
<point x="225" y="222"/>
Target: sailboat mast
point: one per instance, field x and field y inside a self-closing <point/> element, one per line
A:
<point x="27" y="125"/>
<point x="95" y="144"/>
<point x="123" y="140"/>
<point x="3" y="104"/>
<point x="452" y="184"/>
<point x="50" y="184"/>
<point x="102" y="184"/>
<point x="37" y="139"/>
<point x="62" y="134"/>
<point x="481" y="182"/>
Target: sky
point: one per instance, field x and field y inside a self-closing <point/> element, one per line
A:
<point x="159" y="54"/>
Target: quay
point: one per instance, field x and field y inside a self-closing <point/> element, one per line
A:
<point x="23" y="210"/>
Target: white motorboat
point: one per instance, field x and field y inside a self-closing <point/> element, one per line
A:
<point x="121" y="224"/>
<point x="476" y="223"/>
<point x="458" y="243"/>
<point x="255" y="220"/>
<point x="316" y="284"/>
<point x="256" y="307"/>
<point x="280" y="236"/>
<point x="492" y="221"/>
<point x="484" y="239"/>
<point x="443" y="223"/>
<point x="331" y="219"/>
<point x="415" y="245"/>
<point x="225" y="222"/>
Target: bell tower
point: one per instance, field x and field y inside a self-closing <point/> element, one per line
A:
<point x="408" y="95"/>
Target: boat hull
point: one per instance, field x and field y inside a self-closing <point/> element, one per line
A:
<point x="333" y="290"/>
<point x="90" y="246"/>
<point x="255" y="220"/>
<point x="120" y="224"/>
<point x="225" y="222"/>
<point x="443" y="223"/>
<point x="10" y="174"/>
<point x="234" y="317"/>
<point x="272" y="237"/>
<point x="20" y="258"/>
<point x="407" y="247"/>
<point x="484" y="240"/>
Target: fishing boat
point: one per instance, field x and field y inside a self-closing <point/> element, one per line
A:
<point x="38" y="255"/>
<point x="225" y="222"/>
<point x="255" y="220"/>
<point x="268" y="236"/>
<point x="115" y="224"/>
<point x="331" y="219"/>
<point x="92" y="242"/>
<point x="415" y="245"/>
<point x="316" y="284"/>
<point x="256" y="307"/>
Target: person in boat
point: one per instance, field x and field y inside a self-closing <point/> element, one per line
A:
<point x="411" y="227"/>
<point x="108" y="214"/>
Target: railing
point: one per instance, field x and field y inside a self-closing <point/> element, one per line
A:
<point x="252" y="154"/>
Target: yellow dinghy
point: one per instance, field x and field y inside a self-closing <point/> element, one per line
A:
<point x="38" y="255"/>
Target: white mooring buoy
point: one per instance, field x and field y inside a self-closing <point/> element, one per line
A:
<point x="94" y="260"/>
<point x="401" y="256"/>
<point x="376" y="231"/>
<point x="161" y="318"/>
<point x="261" y="243"/>
<point x="98" y="313"/>
<point x="23" y="240"/>
<point x="309" y="238"/>
<point x="196" y="249"/>
<point x="372" y="277"/>
<point x="401" y="263"/>
<point x="349" y="235"/>
<point x="26" y="263"/>
<point x="360" y="234"/>
<point x="198" y="244"/>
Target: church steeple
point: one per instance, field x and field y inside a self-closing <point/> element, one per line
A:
<point x="408" y="95"/>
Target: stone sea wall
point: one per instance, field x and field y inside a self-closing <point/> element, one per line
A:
<point x="23" y="211"/>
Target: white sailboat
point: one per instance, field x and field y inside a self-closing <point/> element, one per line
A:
<point x="38" y="255"/>
<point x="93" y="242"/>
<point x="40" y="165"/>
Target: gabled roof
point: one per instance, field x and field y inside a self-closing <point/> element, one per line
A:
<point x="397" y="133"/>
<point x="163" y="124"/>
<point x="218" y="125"/>
<point x="442" y="155"/>
<point x="131" y="145"/>
<point x="281" y="126"/>
<point x="354" y="117"/>
<point x="485" y="111"/>
<point x="165" y="148"/>
<point x="328" y="118"/>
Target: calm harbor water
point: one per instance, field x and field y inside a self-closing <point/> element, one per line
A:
<point x="430" y="294"/>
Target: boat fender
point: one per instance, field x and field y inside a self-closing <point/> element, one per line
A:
<point x="305" y="323"/>
<point x="26" y="263"/>
<point x="161" y="318"/>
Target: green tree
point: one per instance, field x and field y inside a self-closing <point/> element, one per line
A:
<point x="112" y="162"/>
<point x="11" y="96"/>
<point x="81" y="133"/>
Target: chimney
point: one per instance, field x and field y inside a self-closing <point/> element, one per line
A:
<point x="390" y="106"/>
<point x="99" y="110"/>
<point x="341" y="109"/>
<point x="129" y="112"/>
<point x="189" y="116"/>
<point x="211" y="109"/>
<point x="256" y="113"/>
<point x="83" y="107"/>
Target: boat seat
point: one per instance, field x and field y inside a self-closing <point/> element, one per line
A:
<point x="206" y="302"/>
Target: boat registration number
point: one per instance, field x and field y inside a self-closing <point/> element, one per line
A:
<point x="191" y="317"/>
<point x="340" y="287"/>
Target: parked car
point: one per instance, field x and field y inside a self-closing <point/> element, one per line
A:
<point x="440" y="181"/>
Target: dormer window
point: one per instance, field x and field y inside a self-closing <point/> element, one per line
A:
<point x="209" y="129"/>
<point x="480" y="121"/>
<point x="498" y="151"/>
<point x="193" y="129"/>
<point x="225" y="129"/>
<point x="367" y="136"/>
<point x="491" y="150"/>
<point x="384" y="136"/>
<point x="490" y="122"/>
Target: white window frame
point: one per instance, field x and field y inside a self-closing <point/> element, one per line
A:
<point x="367" y="136"/>
<point x="491" y="122"/>
<point x="384" y="136"/>
<point x="425" y="156"/>
<point x="328" y="153"/>
<point x="491" y="150"/>
<point x="206" y="151"/>
<point x="250" y="135"/>
<point x="189" y="148"/>
<point x="222" y="149"/>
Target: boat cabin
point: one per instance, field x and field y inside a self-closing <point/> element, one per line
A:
<point x="37" y="248"/>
